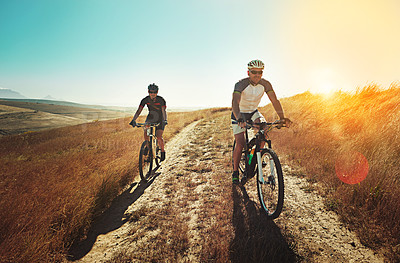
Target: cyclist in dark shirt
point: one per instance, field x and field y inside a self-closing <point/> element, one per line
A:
<point x="157" y="114"/>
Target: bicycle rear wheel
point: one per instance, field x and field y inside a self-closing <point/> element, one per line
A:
<point x="145" y="161"/>
<point x="270" y="186"/>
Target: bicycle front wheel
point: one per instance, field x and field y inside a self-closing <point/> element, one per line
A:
<point x="145" y="161"/>
<point x="270" y="186"/>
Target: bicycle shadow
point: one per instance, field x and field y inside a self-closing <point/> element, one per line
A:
<point x="257" y="238"/>
<point x="111" y="219"/>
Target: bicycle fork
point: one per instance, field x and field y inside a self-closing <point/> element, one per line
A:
<point x="259" y="167"/>
<point x="271" y="177"/>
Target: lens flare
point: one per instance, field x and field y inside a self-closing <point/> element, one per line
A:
<point x="352" y="167"/>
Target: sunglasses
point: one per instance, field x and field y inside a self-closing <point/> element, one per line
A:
<point x="256" y="72"/>
<point x="153" y="92"/>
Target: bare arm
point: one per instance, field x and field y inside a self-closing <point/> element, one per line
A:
<point x="235" y="105"/>
<point x="274" y="100"/>
<point x="137" y="114"/>
<point x="236" y="109"/>
<point x="276" y="104"/>
<point x="164" y="113"/>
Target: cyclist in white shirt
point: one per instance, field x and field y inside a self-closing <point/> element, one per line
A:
<point x="245" y="99"/>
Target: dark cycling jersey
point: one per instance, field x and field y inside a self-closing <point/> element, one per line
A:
<point x="155" y="112"/>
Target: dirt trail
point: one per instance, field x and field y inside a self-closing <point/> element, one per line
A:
<point x="175" y="216"/>
<point x="318" y="233"/>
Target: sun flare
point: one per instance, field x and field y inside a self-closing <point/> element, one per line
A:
<point x="327" y="88"/>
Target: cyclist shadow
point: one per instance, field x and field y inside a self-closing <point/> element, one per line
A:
<point x="257" y="238"/>
<point x="112" y="219"/>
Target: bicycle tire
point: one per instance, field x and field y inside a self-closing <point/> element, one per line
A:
<point x="242" y="163"/>
<point x="271" y="192"/>
<point x="145" y="161"/>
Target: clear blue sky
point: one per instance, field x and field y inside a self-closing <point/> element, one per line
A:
<point x="108" y="51"/>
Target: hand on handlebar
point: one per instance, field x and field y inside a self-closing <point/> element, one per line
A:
<point x="285" y="122"/>
<point x="241" y="123"/>
<point x="133" y="123"/>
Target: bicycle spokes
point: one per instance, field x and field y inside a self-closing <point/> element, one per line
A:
<point x="270" y="184"/>
<point x="269" y="179"/>
<point x="145" y="161"/>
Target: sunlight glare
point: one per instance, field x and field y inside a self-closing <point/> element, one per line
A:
<point x="323" y="80"/>
<point x="327" y="89"/>
<point x="351" y="167"/>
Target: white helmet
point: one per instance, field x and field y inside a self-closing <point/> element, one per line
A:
<point x="255" y="64"/>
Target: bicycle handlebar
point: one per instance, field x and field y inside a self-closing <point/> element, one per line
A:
<point x="276" y="124"/>
<point x="153" y="124"/>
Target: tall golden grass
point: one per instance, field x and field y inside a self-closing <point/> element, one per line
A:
<point x="53" y="183"/>
<point x="325" y="129"/>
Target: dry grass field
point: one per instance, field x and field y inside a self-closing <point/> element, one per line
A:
<point x="325" y="130"/>
<point x="55" y="183"/>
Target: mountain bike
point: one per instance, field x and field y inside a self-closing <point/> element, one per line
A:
<point x="150" y="152"/>
<point x="264" y="163"/>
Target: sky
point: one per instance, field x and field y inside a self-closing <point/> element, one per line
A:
<point x="108" y="51"/>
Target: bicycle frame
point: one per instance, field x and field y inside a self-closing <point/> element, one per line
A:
<point x="149" y="128"/>
<point x="259" y="137"/>
<point x="149" y="150"/>
<point x="270" y="185"/>
<point x="152" y="143"/>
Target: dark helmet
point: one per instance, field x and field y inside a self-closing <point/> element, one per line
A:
<point x="153" y="87"/>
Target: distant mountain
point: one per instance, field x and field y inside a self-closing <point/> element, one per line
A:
<point x="10" y="94"/>
<point x="49" y="97"/>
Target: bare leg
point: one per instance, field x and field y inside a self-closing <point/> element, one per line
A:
<point x="160" y="139"/>
<point x="237" y="152"/>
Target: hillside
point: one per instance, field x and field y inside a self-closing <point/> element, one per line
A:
<point x="19" y="116"/>
<point x="68" y="103"/>
<point x="26" y="115"/>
